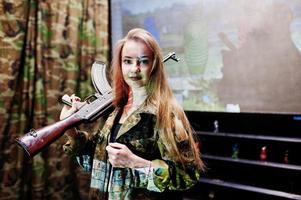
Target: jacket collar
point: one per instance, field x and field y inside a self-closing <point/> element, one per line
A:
<point x="130" y="122"/>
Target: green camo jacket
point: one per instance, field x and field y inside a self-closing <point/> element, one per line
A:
<point x="140" y="135"/>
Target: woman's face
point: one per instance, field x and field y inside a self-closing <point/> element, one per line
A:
<point x="136" y="63"/>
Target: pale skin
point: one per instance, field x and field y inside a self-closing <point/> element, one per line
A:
<point x="137" y="60"/>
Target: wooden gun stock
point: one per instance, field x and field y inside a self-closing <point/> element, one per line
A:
<point x="36" y="140"/>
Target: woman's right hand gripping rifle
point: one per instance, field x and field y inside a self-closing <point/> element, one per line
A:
<point x="71" y="105"/>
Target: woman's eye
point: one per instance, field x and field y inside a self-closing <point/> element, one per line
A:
<point x="144" y="62"/>
<point x="127" y="61"/>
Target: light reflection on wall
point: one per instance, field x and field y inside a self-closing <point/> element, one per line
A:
<point x="236" y="55"/>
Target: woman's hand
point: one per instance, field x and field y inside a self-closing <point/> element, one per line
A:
<point x="69" y="110"/>
<point x="121" y="156"/>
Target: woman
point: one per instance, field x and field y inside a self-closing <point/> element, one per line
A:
<point x="146" y="148"/>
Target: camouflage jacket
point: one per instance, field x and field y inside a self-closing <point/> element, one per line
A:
<point x="140" y="135"/>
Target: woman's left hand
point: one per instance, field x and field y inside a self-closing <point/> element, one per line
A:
<point x="121" y="156"/>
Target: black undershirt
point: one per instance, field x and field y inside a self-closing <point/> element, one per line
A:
<point x="114" y="132"/>
<point x="115" y="127"/>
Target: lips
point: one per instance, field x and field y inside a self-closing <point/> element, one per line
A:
<point x="135" y="77"/>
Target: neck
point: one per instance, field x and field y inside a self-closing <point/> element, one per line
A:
<point x="139" y="95"/>
<point x="136" y="97"/>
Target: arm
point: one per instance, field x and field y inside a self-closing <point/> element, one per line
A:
<point x="76" y="138"/>
<point x="76" y="141"/>
<point x="80" y="144"/>
<point x="156" y="175"/>
<point x="168" y="174"/>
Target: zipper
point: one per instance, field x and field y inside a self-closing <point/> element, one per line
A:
<point x="110" y="171"/>
<point x="109" y="180"/>
<point x="110" y="165"/>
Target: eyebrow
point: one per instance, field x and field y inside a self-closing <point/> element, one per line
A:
<point x="139" y="57"/>
<point x="143" y="56"/>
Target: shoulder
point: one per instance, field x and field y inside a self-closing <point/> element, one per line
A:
<point x="148" y="109"/>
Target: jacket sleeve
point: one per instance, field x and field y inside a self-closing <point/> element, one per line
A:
<point x="167" y="174"/>
<point x="81" y="148"/>
<point x="170" y="174"/>
<point x="81" y="144"/>
<point x="74" y="143"/>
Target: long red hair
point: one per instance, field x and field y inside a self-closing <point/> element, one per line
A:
<point x="171" y="119"/>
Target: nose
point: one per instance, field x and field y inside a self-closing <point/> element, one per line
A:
<point x="136" y="67"/>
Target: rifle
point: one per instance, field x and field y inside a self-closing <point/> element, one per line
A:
<point x="95" y="106"/>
